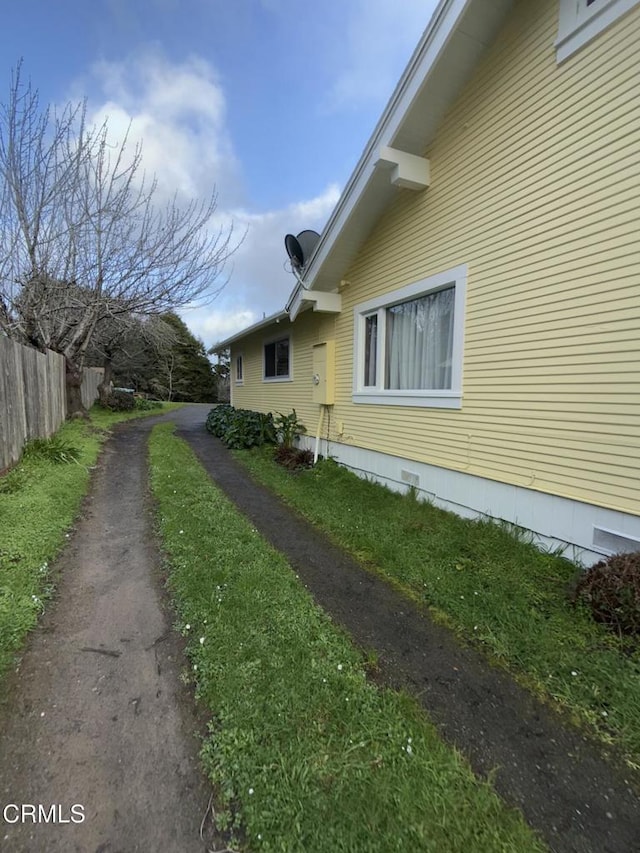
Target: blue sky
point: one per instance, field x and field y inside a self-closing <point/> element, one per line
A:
<point x="269" y="101"/>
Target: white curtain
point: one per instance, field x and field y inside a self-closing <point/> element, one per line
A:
<point x="420" y="342"/>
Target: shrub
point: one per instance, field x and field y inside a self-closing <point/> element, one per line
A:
<point x="219" y="418"/>
<point x="120" y="401"/>
<point x="241" y="428"/>
<point x="293" y="458"/>
<point x="142" y="405"/>
<point x="611" y="589"/>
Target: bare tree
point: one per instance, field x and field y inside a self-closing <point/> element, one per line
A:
<point x="85" y="242"/>
<point x="141" y="343"/>
<point x="35" y="174"/>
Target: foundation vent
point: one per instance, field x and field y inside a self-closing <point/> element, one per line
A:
<point x="410" y="478"/>
<point x="613" y="542"/>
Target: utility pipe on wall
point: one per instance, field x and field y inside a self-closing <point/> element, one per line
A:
<point x="318" y="430"/>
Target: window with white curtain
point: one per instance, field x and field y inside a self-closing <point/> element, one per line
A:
<point x="408" y="344"/>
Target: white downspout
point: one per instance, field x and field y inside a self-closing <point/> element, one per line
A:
<point x="318" y="430"/>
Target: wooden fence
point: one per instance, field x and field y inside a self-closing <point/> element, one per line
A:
<point x="33" y="400"/>
<point x="91" y="378"/>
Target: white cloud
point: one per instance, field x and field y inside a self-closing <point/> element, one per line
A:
<point x="260" y="263"/>
<point x="178" y="111"/>
<point x="260" y="283"/>
<point x="380" y="37"/>
<point x="215" y="325"/>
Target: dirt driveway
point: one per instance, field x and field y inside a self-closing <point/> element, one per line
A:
<point x="97" y="716"/>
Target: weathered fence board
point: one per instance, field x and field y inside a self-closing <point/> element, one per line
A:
<point x="91" y="378"/>
<point x="33" y="401"/>
<point x="13" y="423"/>
<point x="56" y="410"/>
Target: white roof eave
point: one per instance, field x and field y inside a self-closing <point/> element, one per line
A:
<point x="278" y="317"/>
<point x="443" y="61"/>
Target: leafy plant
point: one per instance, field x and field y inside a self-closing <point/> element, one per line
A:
<point x="288" y="428"/>
<point x="219" y="418"/>
<point x="241" y="428"/>
<point x="611" y="590"/>
<point x="293" y="458"/>
<point x="55" y="449"/>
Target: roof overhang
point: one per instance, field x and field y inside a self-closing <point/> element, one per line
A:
<point x="394" y="158"/>
<point x="444" y="60"/>
<point x="272" y="319"/>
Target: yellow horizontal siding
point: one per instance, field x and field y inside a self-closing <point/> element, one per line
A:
<point x="256" y="394"/>
<point x="535" y="180"/>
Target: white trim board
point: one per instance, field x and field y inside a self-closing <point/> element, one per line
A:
<point x="554" y="521"/>
<point x="450" y="398"/>
<point x="579" y="22"/>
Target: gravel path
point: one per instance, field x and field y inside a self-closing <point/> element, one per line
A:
<point x="96" y="717"/>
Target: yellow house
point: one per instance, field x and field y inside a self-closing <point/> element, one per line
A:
<point x="469" y="321"/>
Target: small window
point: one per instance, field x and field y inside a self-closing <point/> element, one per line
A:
<point x="582" y="20"/>
<point x="408" y="344"/>
<point x="276" y="359"/>
<point x="239" y="370"/>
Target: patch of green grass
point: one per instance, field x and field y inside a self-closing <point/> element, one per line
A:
<point x="105" y="418"/>
<point x="487" y="582"/>
<point x="39" y="499"/>
<point x="307" y="755"/>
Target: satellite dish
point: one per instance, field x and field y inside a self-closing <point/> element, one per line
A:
<point x="308" y="241"/>
<point x="301" y="248"/>
<point x="294" y="250"/>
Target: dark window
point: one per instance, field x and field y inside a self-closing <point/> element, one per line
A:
<point x="276" y="359"/>
<point x="370" y="349"/>
<point x="239" y="368"/>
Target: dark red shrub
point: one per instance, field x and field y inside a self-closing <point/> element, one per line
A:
<point x="293" y="458"/>
<point x="611" y="589"/>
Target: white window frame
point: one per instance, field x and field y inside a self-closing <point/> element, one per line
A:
<point x="272" y="340"/>
<point x="436" y="398"/>
<point x="580" y="23"/>
<point x="239" y="375"/>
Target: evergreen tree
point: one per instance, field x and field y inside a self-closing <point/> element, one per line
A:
<point x="192" y="378"/>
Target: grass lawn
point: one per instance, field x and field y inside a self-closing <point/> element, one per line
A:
<point x="306" y="754"/>
<point x="39" y="500"/>
<point x="494" y="589"/>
